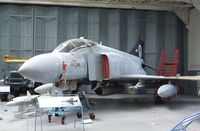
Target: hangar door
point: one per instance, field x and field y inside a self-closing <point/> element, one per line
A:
<point x="28" y="30"/>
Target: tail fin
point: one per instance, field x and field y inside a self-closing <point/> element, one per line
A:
<point x="28" y="94"/>
<point x="48" y="93"/>
<point x="137" y="50"/>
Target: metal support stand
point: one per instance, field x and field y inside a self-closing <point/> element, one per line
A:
<point x="38" y="110"/>
<point x="71" y="102"/>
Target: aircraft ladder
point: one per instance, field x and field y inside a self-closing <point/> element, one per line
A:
<point x="169" y="63"/>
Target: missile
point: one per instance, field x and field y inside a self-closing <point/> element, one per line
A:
<point x="44" y="88"/>
<point x="22" y="100"/>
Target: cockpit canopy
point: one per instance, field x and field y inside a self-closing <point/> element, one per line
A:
<point x="74" y="44"/>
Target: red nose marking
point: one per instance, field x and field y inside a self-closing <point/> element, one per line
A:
<point x="64" y="66"/>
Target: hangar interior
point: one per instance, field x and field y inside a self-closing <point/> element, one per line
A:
<point x="38" y="27"/>
<point x="32" y="27"/>
<point x="30" y="30"/>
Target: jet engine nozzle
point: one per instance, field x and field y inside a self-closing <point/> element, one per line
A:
<point x="167" y="90"/>
<point x="45" y="68"/>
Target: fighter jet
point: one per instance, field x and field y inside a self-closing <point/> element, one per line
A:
<point x="43" y="89"/>
<point x="71" y="101"/>
<point x="82" y="61"/>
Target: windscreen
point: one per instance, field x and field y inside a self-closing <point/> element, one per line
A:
<point x="70" y="45"/>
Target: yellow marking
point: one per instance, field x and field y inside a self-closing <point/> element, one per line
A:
<point x="133" y="92"/>
<point x="11" y="59"/>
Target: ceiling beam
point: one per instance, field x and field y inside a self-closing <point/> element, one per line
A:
<point x="180" y="7"/>
<point x="183" y="14"/>
<point x="124" y="4"/>
<point x="196" y="4"/>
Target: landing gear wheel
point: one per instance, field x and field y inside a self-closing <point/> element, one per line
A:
<point x="92" y="116"/>
<point x="49" y="118"/>
<point x="79" y="115"/>
<point x="63" y="120"/>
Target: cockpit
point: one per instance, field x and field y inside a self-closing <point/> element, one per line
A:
<point x="73" y="44"/>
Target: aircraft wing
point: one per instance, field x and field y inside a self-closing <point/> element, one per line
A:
<point x="155" y="77"/>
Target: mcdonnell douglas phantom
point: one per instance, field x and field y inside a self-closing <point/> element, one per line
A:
<point x="78" y="61"/>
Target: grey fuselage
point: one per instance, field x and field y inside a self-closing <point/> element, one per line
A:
<point x="85" y="60"/>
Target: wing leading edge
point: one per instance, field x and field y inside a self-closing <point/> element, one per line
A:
<point x="154" y="77"/>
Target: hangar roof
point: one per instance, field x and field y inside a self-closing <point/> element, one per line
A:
<point x="141" y="4"/>
<point x="180" y="7"/>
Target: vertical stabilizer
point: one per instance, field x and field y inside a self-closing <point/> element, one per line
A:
<point x="138" y="48"/>
<point x="28" y="94"/>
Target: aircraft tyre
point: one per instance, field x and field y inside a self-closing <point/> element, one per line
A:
<point x="79" y="115"/>
<point x="92" y="116"/>
<point x="49" y="118"/>
<point x="63" y="120"/>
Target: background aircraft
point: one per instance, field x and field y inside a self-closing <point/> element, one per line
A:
<point x="80" y="61"/>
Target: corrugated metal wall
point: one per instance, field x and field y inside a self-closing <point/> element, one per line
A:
<point x="27" y="30"/>
<point x="150" y="31"/>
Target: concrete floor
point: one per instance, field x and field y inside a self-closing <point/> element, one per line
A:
<point x="116" y="113"/>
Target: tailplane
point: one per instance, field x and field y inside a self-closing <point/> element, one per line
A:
<point x="28" y="94"/>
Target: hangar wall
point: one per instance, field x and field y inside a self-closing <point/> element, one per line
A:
<point x="28" y="30"/>
<point x="193" y="51"/>
<point x="194" y="41"/>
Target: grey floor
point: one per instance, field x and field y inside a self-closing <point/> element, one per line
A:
<point x="116" y="113"/>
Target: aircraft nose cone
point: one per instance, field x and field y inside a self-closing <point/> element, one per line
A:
<point x="43" y="68"/>
<point x="10" y="103"/>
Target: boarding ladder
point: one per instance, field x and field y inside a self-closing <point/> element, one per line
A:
<point x="169" y="63"/>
